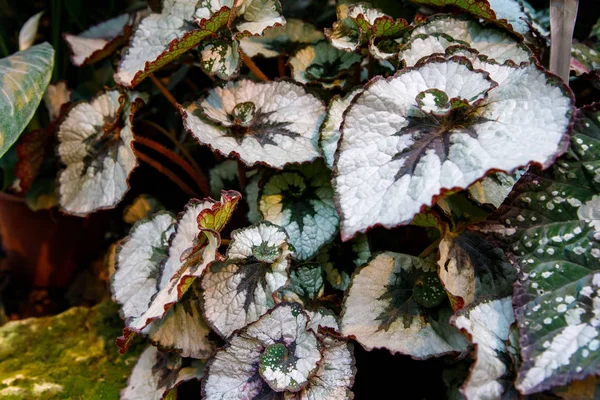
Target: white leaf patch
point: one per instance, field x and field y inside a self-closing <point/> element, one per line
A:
<point x="220" y="58"/>
<point x="513" y="12"/>
<point x="157" y="373"/>
<point x="240" y="290"/>
<point x="274" y="123"/>
<point x="330" y="130"/>
<point x="276" y="353"/>
<point x="488" y="325"/>
<point x="282" y="40"/>
<point x="95" y="141"/>
<point x="390" y="166"/>
<point x="440" y="32"/>
<point x="322" y="63"/>
<point x="98" y="41"/>
<point x="300" y="199"/>
<point x="380" y="310"/>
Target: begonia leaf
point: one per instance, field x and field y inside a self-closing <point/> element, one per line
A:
<point x="277" y="353"/>
<point x="192" y="247"/>
<point x="487" y="323"/>
<point x="444" y="125"/>
<point x="494" y="188"/>
<point x="380" y="309"/>
<point x="157" y="373"/>
<point x="220" y="58"/>
<point x="300" y="199"/>
<point x="324" y="64"/>
<point x="442" y="31"/>
<point x="550" y="227"/>
<point x="330" y="130"/>
<point x="339" y="260"/>
<point x="24" y="77"/>
<point x="470" y="267"/>
<point x="138" y="263"/>
<point x="273" y="123"/>
<point x="160" y="38"/>
<point x="95" y="145"/>
<point x="584" y="59"/>
<point x="252" y="193"/>
<point x="101" y="40"/>
<point x="282" y="40"/>
<point x="240" y="289"/>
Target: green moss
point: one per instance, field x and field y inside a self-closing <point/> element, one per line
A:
<point x="68" y="356"/>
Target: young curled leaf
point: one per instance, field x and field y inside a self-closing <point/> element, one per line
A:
<point x="300" y="200"/>
<point x="157" y="373"/>
<point x="381" y="309"/>
<point x="444" y="125"/>
<point x="273" y="123"/>
<point x="240" y="289"/>
<point x="277" y="353"/>
<point x="95" y="145"/>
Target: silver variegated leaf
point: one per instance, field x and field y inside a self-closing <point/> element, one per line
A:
<point x="300" y="200"/>
<point x="240" y="289"/>
<point x="488" y="325"/>
<point x="273" y="123"/>
<point x="445" y="125"/>
<point x="277" y="353"/>
<point x="95" y="145"/>
<point x="396" y="302"/>
<point x="157" y="373"/>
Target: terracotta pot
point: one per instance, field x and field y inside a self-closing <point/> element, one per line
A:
<point x="45" y="248"/>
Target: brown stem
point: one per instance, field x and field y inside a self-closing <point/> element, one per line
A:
<point x="198" y="177"/>
<point x="176" y="142"/>
<point x="253" y="67"/>
<point x="430" y="249"/>
<point x="371" y="66"/>
<point x="167" y="172"/>
<point x="281" y="66"/>
<point x="164" y="91"/>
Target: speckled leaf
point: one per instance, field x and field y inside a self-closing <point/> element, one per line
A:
<point x="487" y="323"/>
<point x="445" y="125"/>
<point x="380" y="310"/>
<point x="339" y="260"/>
<point x="470" y="268"/>
<point x="330" y="130"/>
<point x="282" y="40"/>
<point x="192" y="247"/>
<point x="584" y="59"/>
<point x="160" y="38"/>
<point x="24" y="77"/>
<point x="240" y="289"/>
<point x="324" y="64"/>
<point x="29" y="31"/>
<point x="220" y="58"/>
<point x="550" y="226"/>
<point x="440" y="32"/>
<point x="300" y="200"/>
<point x="273" y="123"/>
<point x="100" y="40"/>
<point x="95" y="145"/>
<point x="157" y="373"/>
<point x="274" y="354"/>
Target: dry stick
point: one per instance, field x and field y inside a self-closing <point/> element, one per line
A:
<point x="167" y="172"/>
<point x="176" y="142"/>
<point x="255" y="70"/>
<point x="164" y="91"/>
<point x="198" y="178"/>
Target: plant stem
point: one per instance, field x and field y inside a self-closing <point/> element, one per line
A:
<point x="242" y="175"/>
<point x="198" y="177"/>
<point x="253" y="67"/>
<point x="562" y="23"/>
<point x="176" y="142"/>
<point x="430" y="249"/>
<point x="371" y="66"/>
<point x="165" y="92"/>
<point x="166" y="172"/>
<point x="281" y="66"/>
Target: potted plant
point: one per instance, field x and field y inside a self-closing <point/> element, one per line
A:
<point x="397" y="176"/>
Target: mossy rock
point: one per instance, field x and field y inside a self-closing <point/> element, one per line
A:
<point x="68" y="356"/>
